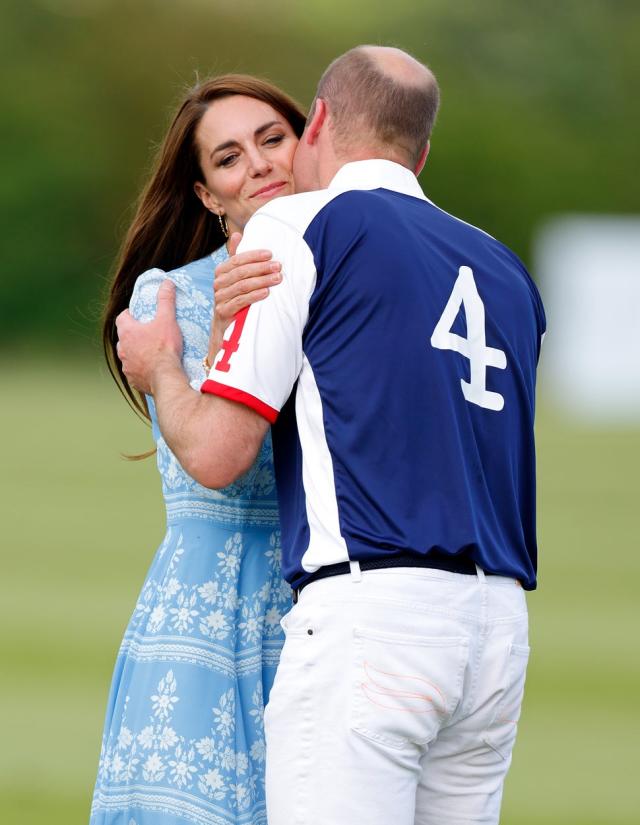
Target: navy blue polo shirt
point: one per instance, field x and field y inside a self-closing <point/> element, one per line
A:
<point x="397" y="363"/>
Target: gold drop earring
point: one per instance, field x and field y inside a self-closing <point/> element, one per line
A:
<point x="223" y="225"/>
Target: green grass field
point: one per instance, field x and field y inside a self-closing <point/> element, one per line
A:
<point x="80" y="527"/>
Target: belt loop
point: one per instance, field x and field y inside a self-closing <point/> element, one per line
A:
<point x="484" y="593"/>
<point x="356" y="573"/>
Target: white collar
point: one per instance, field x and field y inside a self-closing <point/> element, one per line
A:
<point x="376" y="174"/>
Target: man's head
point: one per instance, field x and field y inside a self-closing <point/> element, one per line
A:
<point x="372" y="102"/>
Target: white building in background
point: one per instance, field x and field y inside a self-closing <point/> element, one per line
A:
<point x="588" y="270"/>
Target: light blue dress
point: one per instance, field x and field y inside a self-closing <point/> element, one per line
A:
<point x="184" y="740"/>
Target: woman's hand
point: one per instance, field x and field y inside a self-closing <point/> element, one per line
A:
<point x="240" y="281"/>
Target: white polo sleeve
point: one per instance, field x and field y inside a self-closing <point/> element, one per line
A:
<point x="261" y="355"/>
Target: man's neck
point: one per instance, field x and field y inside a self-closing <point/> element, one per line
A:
<point x="329" y="170"/>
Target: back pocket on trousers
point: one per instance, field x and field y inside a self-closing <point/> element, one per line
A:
<point x="501" y="733"/>
<point x="405" y="687"/>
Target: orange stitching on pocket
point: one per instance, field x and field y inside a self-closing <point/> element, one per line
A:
<point x="393" y="707"/>
<point x="390" y="692"/>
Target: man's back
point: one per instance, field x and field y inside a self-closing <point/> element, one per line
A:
<point x="409" y="428"/>
<point x="431" y="448"/>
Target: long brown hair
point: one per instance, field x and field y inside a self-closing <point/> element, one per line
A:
<point x="171" y="227"/>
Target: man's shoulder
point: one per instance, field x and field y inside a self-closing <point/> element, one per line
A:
<point x="476" y="240"/>
<point x="295" y="211"/>
<point x="463" y="229"/>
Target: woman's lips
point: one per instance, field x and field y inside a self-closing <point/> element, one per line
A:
<point x="271" y="189"/>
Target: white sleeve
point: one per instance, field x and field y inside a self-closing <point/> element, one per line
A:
<point x="261" y="355"/>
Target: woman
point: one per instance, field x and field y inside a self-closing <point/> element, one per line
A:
<point x="183" y="738"/>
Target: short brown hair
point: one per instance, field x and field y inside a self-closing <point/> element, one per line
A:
<point x="367" y="103"/>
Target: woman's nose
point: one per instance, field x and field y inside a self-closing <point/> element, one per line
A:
<point x="259" y="165"/>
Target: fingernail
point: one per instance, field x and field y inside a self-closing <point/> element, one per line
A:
<point x="275" y="267"/>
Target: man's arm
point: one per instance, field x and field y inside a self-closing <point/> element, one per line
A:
<point x="261" y="356"/>
<point x="214" y="439"/>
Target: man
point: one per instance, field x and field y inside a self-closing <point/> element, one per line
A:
<point x="397" y="363"/>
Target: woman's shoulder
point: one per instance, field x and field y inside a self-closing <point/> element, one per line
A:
<point x="198" y="274"/>
<point x="191" y="279"/>
<point x="142" y="304"/>
<point x="203" y="268"/>
<point x="182" y="275"/>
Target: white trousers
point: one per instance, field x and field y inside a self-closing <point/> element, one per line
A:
<point x="396" y="699"/>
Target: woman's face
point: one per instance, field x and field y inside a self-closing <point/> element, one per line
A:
<point x="246" y="154"/>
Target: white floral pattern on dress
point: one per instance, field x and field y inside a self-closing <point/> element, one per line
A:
<point x="211" y="762"/>
<point x="210" y="608"/>
<point x="184" y="739"/>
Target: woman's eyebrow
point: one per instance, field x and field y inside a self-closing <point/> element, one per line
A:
<point x="264" y="128"/>
<point x="229" y="143"/>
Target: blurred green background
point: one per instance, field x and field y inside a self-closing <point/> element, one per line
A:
<point x="540" y="116"/>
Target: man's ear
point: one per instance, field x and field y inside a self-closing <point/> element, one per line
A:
<point x="208" y="201"/>
<point x="422" y="159"/>
<point x="317" y="122"/>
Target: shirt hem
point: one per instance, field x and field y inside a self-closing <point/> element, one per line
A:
<point x="234" y="394"/>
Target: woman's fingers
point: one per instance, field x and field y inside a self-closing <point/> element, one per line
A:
<point x="236" y="277"/>
<point x="252" y="281"/>
<point x="236" y="304"/>
<point x="226" y="310"/>
<point x="242" y="280"/>
<point x="241" y="273"/>
<point x="233" y="242"/>
<point x="251" y="256"/>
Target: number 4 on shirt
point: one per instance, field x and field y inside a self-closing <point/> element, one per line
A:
<point x="474" y="346"/>
<point x="231" y="344"/>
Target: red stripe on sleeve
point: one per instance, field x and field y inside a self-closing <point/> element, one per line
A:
<point x="233" y="394"/>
